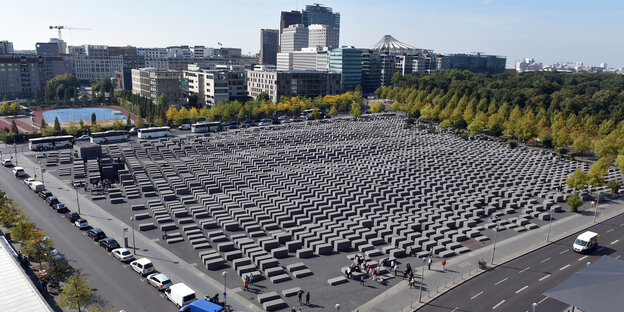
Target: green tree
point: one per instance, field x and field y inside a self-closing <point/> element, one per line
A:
<point x="162" y="100"/>
<point x="57" y="126"/>
<point x="81" y="123"/>
<point x="38" y="249"/>
<point x="614" y="186"/>
<point x="23" y="230"/>
<point x="241" y="114"/>
<point x="578" y="179"/>
<point x="14" y="108"/>
<point x="139" y="122"/>
<point x="575" y="201"/>
<point x="597" y="171"/>
<point x="14" y="129"/>
<point x="172" y="113"/>
<point x="476" y="127"/>
<point x="315" y="114"/>
<point x="93" y="119"/>
<point x="76" y="293"/>
<point x="263" y="97"/>
<point x="118" y="125"/>
<point x="619" y="162"/>
<point x="356" y="110"/>
<point x="128" y="122"/>
<point x="333" y="111"/>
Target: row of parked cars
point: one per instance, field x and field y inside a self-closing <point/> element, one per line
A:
<point x="179" y="294"/>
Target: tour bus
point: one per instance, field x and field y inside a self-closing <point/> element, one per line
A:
<point x="51" y="142"/>
<point x="205" y="126"/>
<point x="109" y="136"/>
<point x="154" y="132"/>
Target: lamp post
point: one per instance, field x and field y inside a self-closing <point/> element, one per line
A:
<point x="224" y="274"/>
<point x="596" y="206"/>
<point x="133" y="243"/>
<point x="533" y="306"/>
<point x="549" y="223"/>
<point x="422" y="280"/>
<point x="77" y="200"/>
<point x="494" y="246"/>
<point x="40" y="169"/>
<point x="15" y="151"/>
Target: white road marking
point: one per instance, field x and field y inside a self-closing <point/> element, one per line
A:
<point x="521" y="289"/>
<point x="609" y="230"/>
<point x="565" y="267"/>
<point x="618" y="257"/>
<point x="455" y="309"/>
<point x="545" y="277"/>
<point x="622" y="224"/>
<point x="501" y="281"/>
<point x="524" y="269"/>
<point x="581" y="258"/>
<point x="544" y="260"/>
<point x="561" y="253"/>
<point x="539" y="302"/>
<point x="477" y="295"/>
<point x="615" y="241"/>
<point x="498" y="304"/>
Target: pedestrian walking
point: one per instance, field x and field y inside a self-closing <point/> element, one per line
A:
<point x="396" y="269"/>
<point x="45" y="285"/>
<point x="308" y="298"/>
<point x="443" y="265"/>
<point x="251" y="279"/>
<point x="429" y="263"/>
<point x="246" y="285"/>
<point x="409" y="251"/>
<point x="362" y="280"/>
<point x="164" y="236"/>
<point x="300" y="295"/>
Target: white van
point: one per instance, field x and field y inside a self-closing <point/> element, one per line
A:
<point x="142" y="266"/>
<point x="19" y="172"/>
<point x="180" y="294"/>
<point x="37" y="186"/>
<point x="586" y="242"/>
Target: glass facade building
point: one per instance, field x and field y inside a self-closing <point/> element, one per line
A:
<point x="348" y="63"/>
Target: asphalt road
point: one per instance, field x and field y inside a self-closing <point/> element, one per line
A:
<point x="113" y="282"/>
<point x="517" y="284"/>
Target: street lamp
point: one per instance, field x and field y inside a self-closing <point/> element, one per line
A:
<point x="133" y="243"/>
<point x="596" y="206"/>
<point x="15" y="149"/>
<point x="337" y="306"/>
<point x="549" y="223"/>
<point x="40" y="169"/>
<point x="422" y="280"/>
<point x="534" y="305"/>
<point x="494" y="246"/>
<point x="77" y="200"/>
<point x="224" y="274"/>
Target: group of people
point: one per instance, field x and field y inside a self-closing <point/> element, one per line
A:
<point x="247" y="279"/>
<point x="300" y="296"/>
<point x="215" y="299"/>
<point x="369" y="271"/>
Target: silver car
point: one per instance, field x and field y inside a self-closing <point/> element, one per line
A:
<point x="159" y="280"/>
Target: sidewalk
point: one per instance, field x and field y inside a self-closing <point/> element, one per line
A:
<point x="460" y="269"/>
<point x="164" y="260"/>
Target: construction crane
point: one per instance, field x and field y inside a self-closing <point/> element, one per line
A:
<point x="59" y="28"/>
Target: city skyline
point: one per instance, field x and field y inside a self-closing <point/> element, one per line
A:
<point x="558" y="31"/>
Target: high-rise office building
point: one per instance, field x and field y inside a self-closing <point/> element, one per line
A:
<point x="294" y="38"/>
<point x="348" y="63"/>
<point x="152" y="82"/>
<point x="318" y="14"/>
<point x="216" y="85"/>
<point x="291" y="83"/>
<point x="47" y="48"/>
<point x="6" y="47"/>
<point x="322" y="36"/>
<point x="371" y="70"/>
<point x="307" y="59"/>
<point x="287" y="19"/>
<point x="269" y="44"/>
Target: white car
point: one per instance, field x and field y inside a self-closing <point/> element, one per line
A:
<point x="142" y="266"/>
<point x="122" y="254"/>
<point x="28" y="181"/>
<point x="7" y="162"/>
<point x="83" y="137"/>
<point x="184" y="127"/>
<point x="81" y="223"/>
<point x="159" y="280"/>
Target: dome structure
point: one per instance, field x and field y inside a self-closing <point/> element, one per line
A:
<point x="389" y="44"/>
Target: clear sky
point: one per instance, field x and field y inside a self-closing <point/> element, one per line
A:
<point x="548" y="30"/>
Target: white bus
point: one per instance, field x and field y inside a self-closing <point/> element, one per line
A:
<point x="204" y="126"/>
<point x="154" y="132"/>
<point x="51" y="142"/>
<point x="109" y="136"/>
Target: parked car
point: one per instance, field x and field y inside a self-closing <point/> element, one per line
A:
<point x="83" y="137"/>
<point x="19" y="172"/>
<point x="142" y="266"/>
<point x="159" y="280"/>
<point x="28" y="181"/>
<point x="36" y="186"/>
<point x="109" y="243"/>
<point x="72" y="216"/>
<point x="180" y="294"/>
<point x="96" y="234"/>
<point x="123" y="254"/>
<point x="7" y="162"/>
<point x="52" y="200"/>
<point x="81" y="223"/>
<point x="60" y="207"/>
<point x="184" y="127"/>
<point x="44" y="194"/>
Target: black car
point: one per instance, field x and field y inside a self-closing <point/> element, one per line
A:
<point x="44" y="194"/>
<point x="52" y="200"/>
<point x="72" y="216"/>
<point x="96" y="234"/>
<point x="60" y="207"/>
<point x="109" y="243"/>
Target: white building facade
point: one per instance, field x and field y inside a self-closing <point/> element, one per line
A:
<point x="294" y="38"/>
<point x="322" y="36"/>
